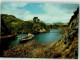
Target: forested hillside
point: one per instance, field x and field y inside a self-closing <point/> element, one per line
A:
<point x="16" y="25"/>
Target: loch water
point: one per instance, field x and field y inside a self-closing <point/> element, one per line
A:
<point x="48" y="37"/>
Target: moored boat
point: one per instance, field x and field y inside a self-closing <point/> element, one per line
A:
<point x="26" y="38"/>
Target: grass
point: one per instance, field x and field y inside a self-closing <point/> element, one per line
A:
<point x="35" y="49"/>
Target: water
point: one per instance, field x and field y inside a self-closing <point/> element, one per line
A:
<point x="15" y="42"/>
<point x="51" y="37"/>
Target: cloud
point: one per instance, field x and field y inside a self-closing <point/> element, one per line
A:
<point x="58" y="13"/>
<point x="52" y="12"/>
<point x="13" y="5"/>
<point x="50" y="19"/>
<point x="13" y="9"/>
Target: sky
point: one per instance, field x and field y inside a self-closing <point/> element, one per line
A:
<point x="46" y="12"/>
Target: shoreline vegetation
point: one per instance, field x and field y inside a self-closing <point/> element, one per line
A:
<point x="16" y="25"/>
<point x="66" y="47"/>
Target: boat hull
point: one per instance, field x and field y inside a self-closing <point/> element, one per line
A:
<point x="26" y="38"/>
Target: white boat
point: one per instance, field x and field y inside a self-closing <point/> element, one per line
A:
<point x="26" y="38"/>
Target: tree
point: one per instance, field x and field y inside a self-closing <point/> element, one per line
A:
<point x="36" y="20"/>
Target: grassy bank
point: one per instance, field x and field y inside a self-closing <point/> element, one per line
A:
<point x="34" y="49"/>
<point x="29" y="49"/>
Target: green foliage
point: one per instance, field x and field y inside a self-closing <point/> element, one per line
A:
<point x="58" y="26"/>
<point x="16" y="25"/>
<point x="36" y="20"/>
